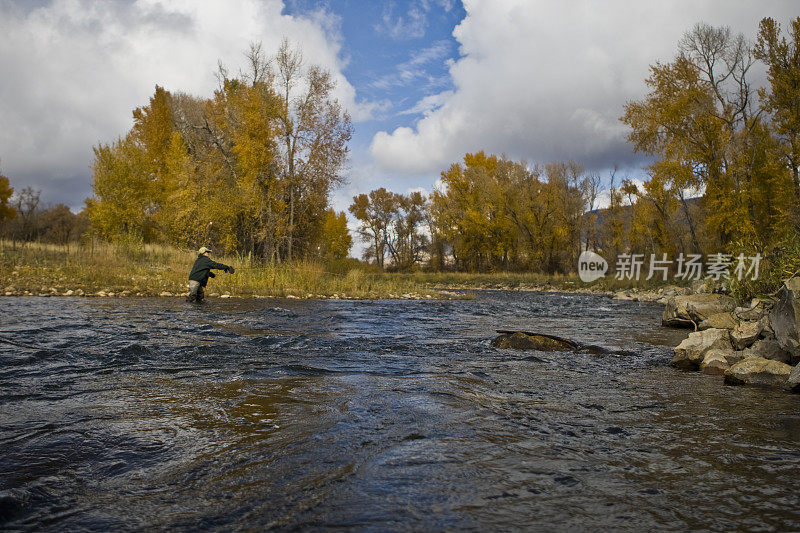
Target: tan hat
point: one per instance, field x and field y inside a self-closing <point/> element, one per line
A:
<point x="203" y="250"/>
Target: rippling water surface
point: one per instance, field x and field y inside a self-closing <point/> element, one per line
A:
<point x="380" y="415"/>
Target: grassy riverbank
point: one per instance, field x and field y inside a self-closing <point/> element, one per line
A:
<point x="152" y="270"/>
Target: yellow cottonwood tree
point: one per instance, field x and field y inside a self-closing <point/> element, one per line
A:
<point x="336" y="239"/>
<point x="121" y="207"/>
<point x="249" y="169"/>
<point x="6" y="190"/>
<point x="782" y="99"/>
<point x="493" y="213"/>
<point x="698" y="120"/>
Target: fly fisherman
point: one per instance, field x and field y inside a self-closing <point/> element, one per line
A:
<point x="201" y="271"/>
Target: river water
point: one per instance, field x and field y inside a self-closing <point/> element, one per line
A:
<point x="149" y="414"/>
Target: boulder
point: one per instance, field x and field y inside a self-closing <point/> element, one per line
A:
<point x="757" y="309"/>
<point x="767" y="349"/>
<point x="767" y="332"/>
<point x="686" y="310"/>
<point x="522" y="341"/>
<point x="758" y="371"/>
<point x="715" y="362"/>
<point x="746" y="333"/>
<point x="785" y="316"/>
<point x="719" y="321"/>
<point x="733" y="357"/>
<point x="689" y="354"/>
<point x="625" y="295"/>
<point x="793" y="383"/>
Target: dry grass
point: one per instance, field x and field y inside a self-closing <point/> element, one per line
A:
<point x="152" y="270"/>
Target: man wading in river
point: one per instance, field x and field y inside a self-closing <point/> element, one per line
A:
<point x="201" y="271"/>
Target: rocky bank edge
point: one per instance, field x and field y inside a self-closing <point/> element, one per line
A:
<point x="756" y="344"/>
<point x="433" y="294"/>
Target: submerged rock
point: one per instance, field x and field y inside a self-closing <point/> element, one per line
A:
<point x="686" y="310"/>
<point x="689" y="354"/>
<point x="758" y="371"/>
<point x="523" y="341"/>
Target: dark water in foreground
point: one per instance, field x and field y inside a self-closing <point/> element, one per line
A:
<point x="387" y="415"/>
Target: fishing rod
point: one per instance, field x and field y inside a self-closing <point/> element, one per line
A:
<point x="374" y="274"/>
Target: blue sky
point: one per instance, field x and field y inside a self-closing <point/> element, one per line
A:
<point x="396" y="55"/>
<point x="425" y="81"/>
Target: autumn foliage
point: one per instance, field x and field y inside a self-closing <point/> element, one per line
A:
<point x="248" y="170"/>
<point x="724" y="177"/>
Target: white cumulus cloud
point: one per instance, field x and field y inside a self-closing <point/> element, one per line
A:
<point x="546" y="80"/>
<point x="71" y="72"/>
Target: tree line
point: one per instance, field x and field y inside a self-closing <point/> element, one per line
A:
<point x="23" y="218"/>
<point x="251" y="168"/>
<point x="724" y="176"/>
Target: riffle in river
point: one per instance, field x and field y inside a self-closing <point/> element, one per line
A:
<point x="141" y="414"/>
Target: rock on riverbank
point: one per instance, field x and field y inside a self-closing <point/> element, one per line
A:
<point x="692" y="309"/>
<point x="758" y="344"/>
<point x="660" y="295"/>
<point x="758" y="371"/>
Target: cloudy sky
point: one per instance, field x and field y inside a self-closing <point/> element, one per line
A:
<point x="425" y="80"/>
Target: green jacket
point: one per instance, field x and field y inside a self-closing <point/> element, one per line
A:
<point x="201" y="270"/>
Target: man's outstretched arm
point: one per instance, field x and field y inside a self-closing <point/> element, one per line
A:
<point x="220" y="266"/>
